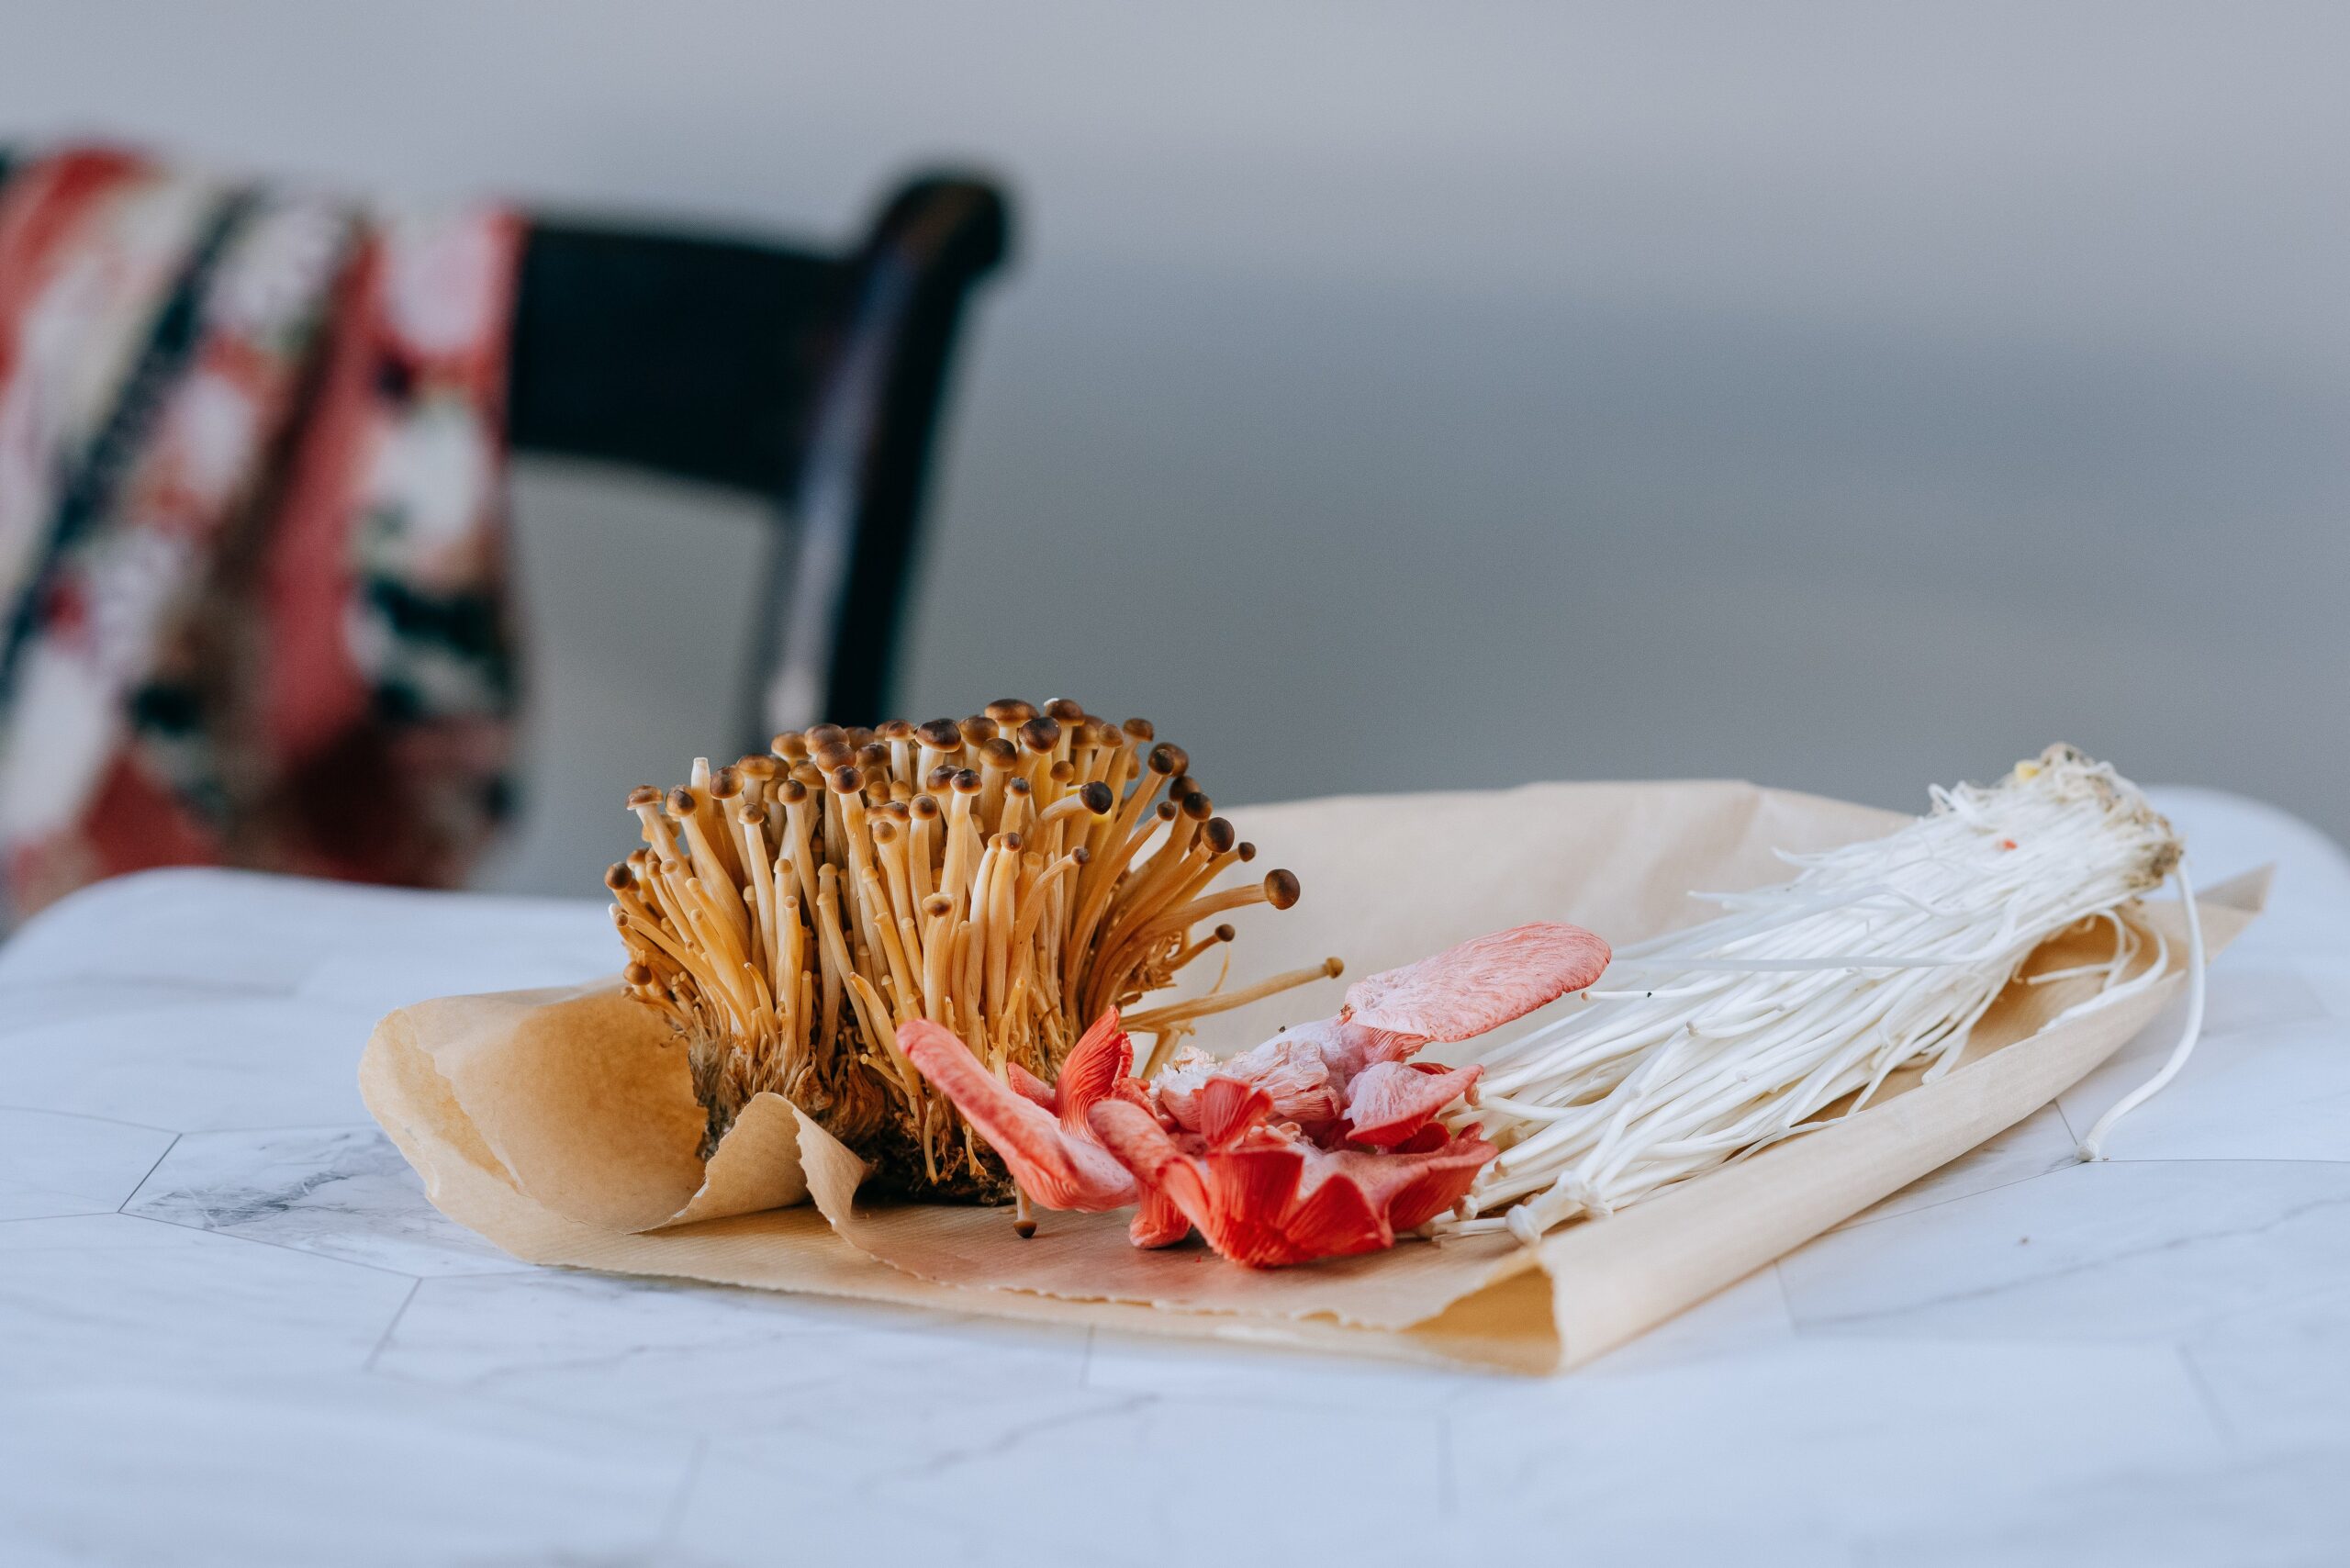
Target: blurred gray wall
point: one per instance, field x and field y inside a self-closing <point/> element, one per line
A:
<point x="1843" y="397"/>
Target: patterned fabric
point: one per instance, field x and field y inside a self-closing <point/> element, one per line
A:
<point x="252" y="548"/>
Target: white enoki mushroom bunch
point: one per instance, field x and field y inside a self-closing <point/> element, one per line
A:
<point x="1708" y="1044"/>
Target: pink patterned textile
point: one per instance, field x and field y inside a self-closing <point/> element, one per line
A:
<point x="251" y="544"/>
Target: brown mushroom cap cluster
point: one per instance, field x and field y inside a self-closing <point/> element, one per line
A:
<point x="1009" y="876"/>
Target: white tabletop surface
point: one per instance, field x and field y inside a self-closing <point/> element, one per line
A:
<point x="232" y="1331"/>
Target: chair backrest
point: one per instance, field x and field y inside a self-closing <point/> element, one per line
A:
<point x="813" y="380"/>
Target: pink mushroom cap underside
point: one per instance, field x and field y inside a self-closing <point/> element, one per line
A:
<point x="1271" y="1200"/>
<point x="1053" y="1167"/>
<point x="1100" y="1061"/>
<point x="1480" y="984"/>
<point x="1390" y="1101"/>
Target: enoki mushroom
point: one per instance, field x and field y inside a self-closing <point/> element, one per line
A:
<point x="1708" y="1044"/>
<point x="1009" y="877"/>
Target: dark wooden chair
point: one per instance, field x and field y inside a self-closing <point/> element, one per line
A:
<point x="813" y="380"/>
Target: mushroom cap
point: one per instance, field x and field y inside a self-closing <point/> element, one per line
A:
<point x="1057" y="1166"/>
<point x="1265" y="1198"/>
<point x="1478" y="984"/>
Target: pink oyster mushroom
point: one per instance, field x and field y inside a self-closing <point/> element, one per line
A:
<point x="1321" y="1142"/>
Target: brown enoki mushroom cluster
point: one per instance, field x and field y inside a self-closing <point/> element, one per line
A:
<point x="1009" y="876"/>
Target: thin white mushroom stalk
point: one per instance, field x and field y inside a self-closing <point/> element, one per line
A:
<point x="1708" y="1044"/>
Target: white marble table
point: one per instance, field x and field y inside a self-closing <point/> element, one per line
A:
<point x="232" y="1331"/>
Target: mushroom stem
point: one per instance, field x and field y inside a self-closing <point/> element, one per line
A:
<point x="999" y="875"/>
<point x="1159" y="1018"/>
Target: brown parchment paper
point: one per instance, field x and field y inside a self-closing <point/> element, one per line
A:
<point x="562" y="1125"/>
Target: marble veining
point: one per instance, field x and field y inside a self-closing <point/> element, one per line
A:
<point x="232" y="1331"/>
<point x="202" y="1063"/>
<point x="2279" y="1375"/>
<point x="339" y="1191"/>
<point x="718" y="1362"/>
<point x="2234" y="1508"/>
<point x="1834" y="1443"/>
<point x="2042" y="1143"/>
<point x="52" y="1163"/>
<point x="359" y="1470"/>
<point x="2281" y="1091"/>
<point x="111" y="1295"/>
<point x="2120" y="1251"/>
<point x="1130" y="1481"/>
